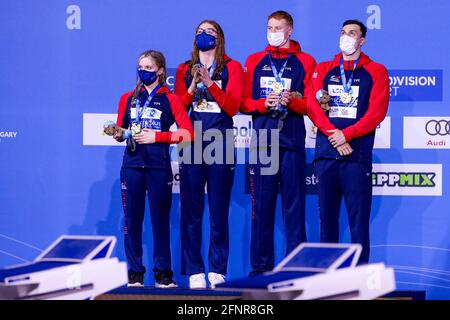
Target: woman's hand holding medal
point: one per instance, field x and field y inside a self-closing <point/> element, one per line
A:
<point x="146" y="136"/>
<point x="111" y="129"/>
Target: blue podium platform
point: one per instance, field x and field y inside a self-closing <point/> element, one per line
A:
<point x="152" y="293"/>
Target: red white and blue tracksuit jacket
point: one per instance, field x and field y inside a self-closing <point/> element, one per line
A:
<point x="164" y="110"/>
<point x="371" y="98"/>
<point x="348" y="176"/>
<point x="258" y="79"/>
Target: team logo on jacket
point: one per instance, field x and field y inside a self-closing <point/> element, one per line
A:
<point x="334" y="78"/>
<point x="151" y="118"/>
<point x="339" y="108"/>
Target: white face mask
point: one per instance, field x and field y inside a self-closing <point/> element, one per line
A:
<point x="275" y="39"/>
<point x="347" y="45"/>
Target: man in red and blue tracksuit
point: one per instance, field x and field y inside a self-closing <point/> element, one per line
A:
<point x="358" y="90"/>
<point x="281" y="62"/>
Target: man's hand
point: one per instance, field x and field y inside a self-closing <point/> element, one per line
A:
<point x="146" y="136"/>
<point x="345" y="149"/>
<point x="286" y="98"/>
<point x="324" y="99"/>
<point x="271" y="101"/>
<point x="337" y="138"/>
<point x="325" y="106"/>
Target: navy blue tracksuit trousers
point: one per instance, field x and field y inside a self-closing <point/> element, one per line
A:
<point x="156" y="185"/>
<point x="291" y="178"/>
<point x="353" y="181"/>
<point x="219" y="181"/>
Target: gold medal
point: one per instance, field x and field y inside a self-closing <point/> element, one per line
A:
<point x="346" y="97"/>
<point x="135" y="128"/>
<point x="277" y="88"/>
<point x="202" y="104"/>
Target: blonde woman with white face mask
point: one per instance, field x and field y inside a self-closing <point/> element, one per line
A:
<point x="276" y="87"/>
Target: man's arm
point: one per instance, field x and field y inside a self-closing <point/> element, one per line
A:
<point x="378" y="105"/>
<point x="250" y="105"/>
<point x="300" y="105"/>
<point x="314" y="111"/>
<point x="230" y="99"/>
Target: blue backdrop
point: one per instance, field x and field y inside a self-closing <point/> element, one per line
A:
<point x="64" y="62"/>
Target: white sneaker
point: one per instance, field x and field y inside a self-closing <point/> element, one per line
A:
<point x="135" y="285"/>
<point x="169" y="285"/>
<point x="215" y="279"/>
<point x="197" y="281"/>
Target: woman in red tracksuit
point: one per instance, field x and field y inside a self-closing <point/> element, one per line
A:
<point x="211" y="87"/>
<point x="149" y="111"/>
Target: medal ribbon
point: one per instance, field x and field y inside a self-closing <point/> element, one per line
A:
<point x="347" y="85"/>
<point x="276" y="74"/>
<point x="139" y="110"/>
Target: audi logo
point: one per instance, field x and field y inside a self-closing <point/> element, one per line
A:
<point x="438" y="127"/>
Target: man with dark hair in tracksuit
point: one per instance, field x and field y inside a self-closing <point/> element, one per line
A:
<point x="278" y="108"/>
<point x="359" y="98"/>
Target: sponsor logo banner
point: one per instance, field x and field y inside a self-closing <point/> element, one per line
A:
<point x="416" y="85"/>
<point x="426" y="132"/>
<point x="404" y="179"/>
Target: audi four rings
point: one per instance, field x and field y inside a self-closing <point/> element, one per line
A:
<point x="438" y="127"/>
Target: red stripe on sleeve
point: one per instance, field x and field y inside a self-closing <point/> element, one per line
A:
<point x="249" y="105"/>
<point x="314" y="111"/>
<point x="299" y="105"/>
<point x="185" y="130"/>
<point x="378" y="103"/>
<point x="230" y="100"/>
<point x="121" y="113"/>
<point x="180" y="85"/>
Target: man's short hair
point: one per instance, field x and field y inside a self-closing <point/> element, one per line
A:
<point x="280" y="14"/>
<point x="359" y="23"/>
